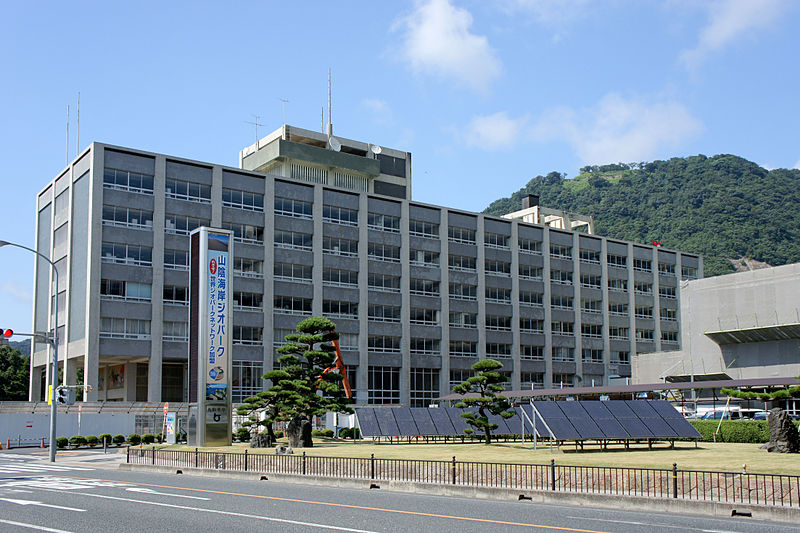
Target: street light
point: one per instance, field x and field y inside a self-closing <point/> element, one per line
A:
<point x="54" y="341"/>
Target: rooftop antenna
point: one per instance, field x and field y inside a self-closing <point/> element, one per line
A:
<point x="330" y="120"/>
<point x="78" y="132"/>
<point x="67" y="158"/>
<point x="284" y="101"/>
<point x="256" y="124"/>
<point x="322" y="119"/>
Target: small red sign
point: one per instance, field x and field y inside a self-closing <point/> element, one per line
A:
<point x="213" y="266"/>
<point x="166" y="406"/>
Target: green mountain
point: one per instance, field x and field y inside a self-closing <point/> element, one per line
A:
<point x="723" y="207"/>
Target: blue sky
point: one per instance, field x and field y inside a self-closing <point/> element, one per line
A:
<point x="485" y="95"/>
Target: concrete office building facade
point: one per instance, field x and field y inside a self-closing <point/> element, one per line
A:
<point x="419" y="292"/>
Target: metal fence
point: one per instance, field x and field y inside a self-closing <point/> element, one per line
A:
<point x="700" y="485"/>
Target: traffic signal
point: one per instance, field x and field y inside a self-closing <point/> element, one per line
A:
<point x="7" y="332"/>
<point x="65" y="396"/>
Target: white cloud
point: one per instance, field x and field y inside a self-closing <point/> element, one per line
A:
<point x="550" y="11"/>
<point x="17" y="293"/>
<point x="378" y="109"/>
<point x="617" y="129"/>
<point x="797" y="165"/>
<point x="494" y="132"/>
<point x="438" y="42"/>
<point x="729" y="21"/>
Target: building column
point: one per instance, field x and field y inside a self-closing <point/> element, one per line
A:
<point x="154" y="368"/>
<point x="405" y="306"/>
<point x="91" y="361"/>
<point x="576" y="305"/>
<point x="515" y="312"/>
<point x="444" y="291"/>
<point x="548" y="313"/>
<point x="362" y="377"/>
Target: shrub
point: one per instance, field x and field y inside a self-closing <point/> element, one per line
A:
<point x="348" y="433"/>
<point x="243" y="434"/>
<point x="77" y="440"/>
<point x="134" y="439"/>
<point x="148" y="438"/>
<point x="327" y="433"/>
<point x="742" y="431"/>
<point x="104" y="438"/>
<point x="279" y="433"/>
<point x="118" y="439"/>
<point x="62" y="442"/>
<point x="92" y="440"/>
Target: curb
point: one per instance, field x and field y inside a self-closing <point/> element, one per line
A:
<point x="617" y="502"/>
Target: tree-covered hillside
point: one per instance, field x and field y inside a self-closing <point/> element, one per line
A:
<point x="723" y="207"/>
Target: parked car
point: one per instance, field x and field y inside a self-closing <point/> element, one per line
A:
<point x="722" y="415"/>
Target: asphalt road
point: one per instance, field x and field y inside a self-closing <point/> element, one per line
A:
<point x="84" y="493"/>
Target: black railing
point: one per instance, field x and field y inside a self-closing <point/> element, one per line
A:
<point x="700" y="485"/>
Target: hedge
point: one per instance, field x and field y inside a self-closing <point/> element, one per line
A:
<point x="743" y="431"/>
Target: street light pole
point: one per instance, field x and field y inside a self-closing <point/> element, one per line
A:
<point x="54" y="362"/>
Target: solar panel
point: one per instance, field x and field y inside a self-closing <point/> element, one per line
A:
<point x="386" y="422"/>
<point x="573" y="409"/>
<point x="620" y="409"/>
<point x="423" y="421"/>
<point x="612" y="428"/>
<point x="502" y="425"/>
<point x="586" y="427"/>
<point x="529" y="423"/>
<point x="659" y="427"/>
<point x="642" y="408"/>
<point x="442" y="421"/>
<point x="636" y="428"/>
<point x="367" y="422"/>
<point x="561" y="428"/>
<point x="683" y="428"/>
<point x="455" y="417"/>
<point x="548" y="409"/>
<point x="596" y="410"/>
<point x="405" y="423"/>
<point x="666" y="409"/>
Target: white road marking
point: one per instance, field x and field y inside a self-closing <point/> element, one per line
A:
<point x="40" y="504"/>
<point x="228" y="513"/>
<point x="33" y="526"/>
<point x="151" y="491"/>
<point x="650" y="524"/>
<point x="60" y="483"/>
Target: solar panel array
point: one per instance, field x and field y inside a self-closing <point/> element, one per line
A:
<point x="567" y="421"/>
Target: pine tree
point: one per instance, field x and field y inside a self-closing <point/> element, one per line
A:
<point x="486" y="383"/>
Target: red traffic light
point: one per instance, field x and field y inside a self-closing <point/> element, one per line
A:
<point x="7" y="332"/>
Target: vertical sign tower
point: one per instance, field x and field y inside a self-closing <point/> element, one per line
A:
<point x="210" y="328"/>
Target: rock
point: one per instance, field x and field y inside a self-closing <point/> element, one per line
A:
<point x="783" y="435"/>
<point x="262" y="440"/>
<point x="280" y="449"/>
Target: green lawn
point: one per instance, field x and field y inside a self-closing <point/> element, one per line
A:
<point x="706" y="456"/>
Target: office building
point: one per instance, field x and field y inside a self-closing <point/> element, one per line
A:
<point x="418" y="292"/>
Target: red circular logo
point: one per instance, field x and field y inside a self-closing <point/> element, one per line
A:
<point x="213" y="266"/>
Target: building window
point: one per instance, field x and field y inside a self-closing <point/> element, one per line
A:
<point x="497" y="295"/>
<point x="592" y="355"/>
<point x="279" y="336"/>
<point x="668" y="269"/>
<point x="618" y="285"/>
<point x="127" y="254"/>
<point x="617" y="333"/>
<point x="248" y="300"/>
<point x="124" y="290"/>
<point x="422" y="346"/>
<point x="123" y="180"/>
<point x="498" y="349"/>
<point x="245" y="233"/>
<point x="462" y="235"/>
<point x="562" y="328"/>
<point x="563" y="380"/>
<point x="348" y="341"/>
<point x="248" y="268"/>
<point x="530" y="299"/>
<point x="669" y="337"/>
<point x="338" y="246"/>
<point x="498" y="323"/>
<point x="561" y="277"/>
<point x="182" y="225"/>
<point x="669" y="314"/>
<point x="589" y="281"/>
<point x="592" y="306"/>
<point x="463" y="348"/>
<point x="383" y="313"/>
<point x="667" y="292"/>
<point x="590" y="256"/>
<point x="292" y="240"/>
<point x="644" y="334"/>
<point x="688" y="272"/>
<point x="619" y="261"/>
<point x="498" y="268"/>
<point x="338" y="309"/>
<point x="292" y="272"/>
<point x="461" y="263"/>
<point x="528" y="246"/>
<point x="127" y="217"/>
<point x="383" y="252"/>
<point x="621" y="357"/>
<point x="383" y="282"/>
<point x="592" y="330"/>
<point x="185" y="190"/>
<point x="560" y="252"/>
<point x="530" y="272"/>
<point x="531" y="352"/>
<point x="643" y="311"/>
<point x="420" y="228"/>
<point x="384" y="385"/>
<point x="383" y="344"/>
<point x="462" y="291"/>
<point x="424" y="287"/>
<point x="423" y="258"/>
<point x="424" y="317"/>
<point x="248" y="336"/>
<point x="563" y="353"/>
<point x="250" y="201"/>
<point x="561" y="302"/>
<point x="531" y="325"/>
<point x="642" y="265"/>
<point x="459" y="319"/>
<point x="459" y="376"/>
<point x="175" y="294"/>
<point x="339" y="215"/>
<point x="176" y="259"/>
<point x="175" y="332"/>
<point x="383" y="222"/>
<point x="336" y="277"/>
<point x="245" y="379"/>
<point x="288" y="305"/>
<point x="495" y="240"/>
<point x="293" y="208"/>
<point x="424" y="386"/>
<point x="531" y="380"/>
<point x="124" y="328"/>
<point x="618" y="309"/>
<point x="61" y="235"/>
<point x="641" y="287"/>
